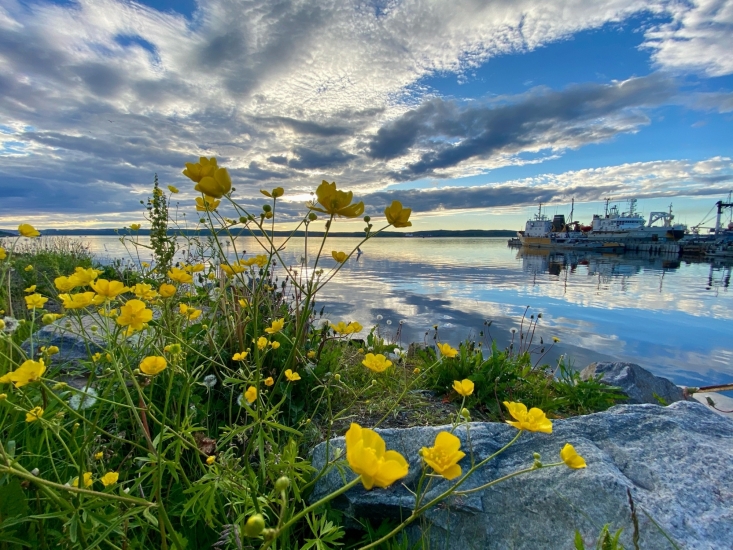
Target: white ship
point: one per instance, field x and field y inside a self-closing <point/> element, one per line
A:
<point x="631" y="226"/>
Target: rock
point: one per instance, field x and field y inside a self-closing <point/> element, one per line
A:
<point x="637" y="383"/>
<point x="74" y="338"/>
<point x="676" y="462"/>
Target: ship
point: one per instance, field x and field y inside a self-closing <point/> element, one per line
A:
<point x="631" y="226"/>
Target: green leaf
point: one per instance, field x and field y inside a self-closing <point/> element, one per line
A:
<point x="13" y="501"/>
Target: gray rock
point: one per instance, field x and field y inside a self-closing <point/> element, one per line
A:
<point x="676" y="462"/>
<point x="637" y="383"/>
<point x="74" y="338"/>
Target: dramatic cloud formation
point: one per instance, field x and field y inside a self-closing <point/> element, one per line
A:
<point x="96" y="96"/>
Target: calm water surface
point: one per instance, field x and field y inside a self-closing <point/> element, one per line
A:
<point x="671" y="316"/>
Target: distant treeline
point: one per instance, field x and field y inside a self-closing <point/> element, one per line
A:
<point x="246" y="232"/>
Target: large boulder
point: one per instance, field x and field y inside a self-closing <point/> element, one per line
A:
<point x="637" y="383"/>
<point x="676" y="462"/>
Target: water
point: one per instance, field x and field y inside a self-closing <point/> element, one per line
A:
<point x="670" y="316"/>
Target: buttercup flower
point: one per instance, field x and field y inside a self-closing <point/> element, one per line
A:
<point x="83" y="277"/>
<point x="134" y="315"/>
<point x="464" y="387"/>
<point x="204" y="204"/>
<point x="135" y="226"/>
<point x="215" y="184"/>
<point x="29" y="267"/>
<point x="269" y="381"/>
<point x="64" y="284"/>
<point x="292" y="376"/>
<point x="232" y="270"/>
<point x="311" y="354"/>
<point x="251" y="394"/>
<point x="77" y="301"/>
<point x="99" y="455"/>
<point x="180" y="276"/>
<point x="172" y="189"/>
<point x="571" y="458"/>
<point x="242" y="302"/>
<point x="27" y="230"/>
<point x="377" y="363"/>
<point x="240" y="356"/>
<point x="166" y="290"/>
<point x="398" y="216"/>
<point x="260" y="260"/>
<point x="144" y="291"/>
<point x="446" y="350"/>
<point x="336" y="203"/>
<point x="204" y="167"/>
<point x="555" y="339"/>
<point x="108" y="289"/>
<point x="86" y="480"/>
<point x="50" y="350"/>
<point x="367" y="456"/>
<point x="274" y="344"/>
<point x="34" y="414"/>
<point x="261" y="343"/>
<point x="3" y="254"/>
<point x="532" y="421"/>
<point x="28" y="372"/>
<point x="277" y="326"/>
<point x="340" y="257"/>
<point x="190" y="312"/>
<point x="110" y="478"/>
<point x="343" y="328"/>
<point x="153" y="365"/>
<point x="443" y="457"/>
<point x="277" y="192"/>
<point x="30" y="289"/>
<point x="210" y="460"/>
<point x="49" y="318"/>
<point x="35" y="301"/>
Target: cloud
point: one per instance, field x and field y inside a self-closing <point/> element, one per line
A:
<point x="698" y="38"/>
<point x="449" y="133"/>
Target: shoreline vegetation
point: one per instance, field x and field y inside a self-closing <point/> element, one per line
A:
<point x="201" y="387"/>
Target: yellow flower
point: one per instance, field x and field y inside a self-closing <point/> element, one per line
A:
<point x="210" y="460"/>
<point x="3" y="254"/>
<point x="555" y="339"/>
<point x="242" y="302"/>
<point x="269" y="381"/>
<point x="377" y="363"/>
<point x="135" y="226"/>
<point x="64" y="284"/>
<point x="261" y="343"/>
<point x="571" y="458"/>
<point x="190" y="312"/>
<point x="173" y="349"/>
<point x="49" y="318"/>
<point x="416" y="370"/>
<point x="166" y="290"/>
<point x="260" y="260"/>
<point x="172" y="189"/>
<point x="206" y="204"/>
<point x="443" y="457"/>
<point x="340" y="257"/>
<point x="367" y="456"/>
<point x="194" y="268"/>
<point x="34" y="414"/>
<point x="144" y="264"/>
<point x="144" y="291"/>
<point x="50" y="350"/>
<point x="31" y="288"/>
<point x="343" y="328"/>
<point x="99" y="455"/>
<point x="96" y="357"/>
<point x="204" y="167"/>
<point x="110" y="478"/>
<point x="86" y="479"/>
<point x="27" y="230"/>
<point x="211" y="276"/>
<point x="77" y="301"/>
<point x="28" y="372"/>
<point x="153" y="364"/>
<point x="336" y="203"/>
<point x="532" y="421"/>
<point x="2" y="324"/>
<point x="311" y="354"/>
<point x="232" y="270"/>
<point x="35" y="301"/>
<point x="277" y="326"/>
<point x="251" y="394"/>
<point x="464" y="387"/>
<point x="180" y="276"/>
<point x="108" y="289"/>
<point x="277" y="192"/>
<point x="29" y="267"/>
<point x="292" y="376"/>
<point x="398" y="216"/>
<point x="134" y="315"/>
<point x="275" y="344"/>
<point x="216" y="183"/>
<point x="240" y="356"/>
<point x="446" y="350"/>
<point x="83" y="277"/>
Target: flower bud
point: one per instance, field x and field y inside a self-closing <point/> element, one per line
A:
<point x="367" y="219"/>
<point x="282" y="484"/>
<point x="266" y="207"/>
<point x="337" y="377"/>
<point x="202" y="220"/>
<point x="312" y="216"/>
<point x="536" y="456"/>
<point x="465" y="414"/>
<point x="269" y="534"/>
<point x="242" y="219"/>
<point x="254" y="526"/>
<point x="59" y="386"/>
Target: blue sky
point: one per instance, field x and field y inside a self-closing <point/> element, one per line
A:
<point x="470" y="112"/>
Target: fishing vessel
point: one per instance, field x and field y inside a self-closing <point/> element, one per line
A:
<point x="631" y="226"/>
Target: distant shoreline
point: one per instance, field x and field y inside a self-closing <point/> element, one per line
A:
<point x="245" y="232"/>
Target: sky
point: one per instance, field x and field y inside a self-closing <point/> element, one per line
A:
<point x="470" y="112"/>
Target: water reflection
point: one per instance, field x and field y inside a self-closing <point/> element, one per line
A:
<point x="670" y="315"/>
